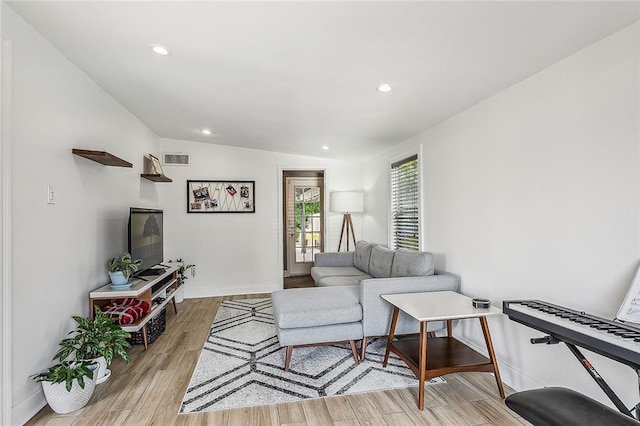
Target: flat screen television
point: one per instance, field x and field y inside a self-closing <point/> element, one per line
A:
<point x="146" y="239"/>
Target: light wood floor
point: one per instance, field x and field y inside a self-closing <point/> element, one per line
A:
<point x="149" y="391"/>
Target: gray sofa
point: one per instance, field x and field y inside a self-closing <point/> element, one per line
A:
<point x="377" y="270"/>
<point x="346" y="305"/>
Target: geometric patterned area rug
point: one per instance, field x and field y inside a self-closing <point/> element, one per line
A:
<point x="242" y="362"/>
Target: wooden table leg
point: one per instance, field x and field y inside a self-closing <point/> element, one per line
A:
<point x="449" y="328"/>
<point x="354" y="350"/>
<point x="287" y="358"/>
<point x="492" y="355"/>
<point x="144" y="337"/>
<point x="363" y="348"/>
<point x="392" y="331"/>
<point x="423" y="363"/>
<point x="175" y="307"/>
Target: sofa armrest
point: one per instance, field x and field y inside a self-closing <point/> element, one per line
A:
<point x="376" y="312"/>
<point x="334" y="259"/>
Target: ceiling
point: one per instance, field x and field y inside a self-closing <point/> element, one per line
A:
<point x="295" y="76"/>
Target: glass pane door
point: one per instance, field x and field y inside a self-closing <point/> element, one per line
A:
<point x="307" y="222"/>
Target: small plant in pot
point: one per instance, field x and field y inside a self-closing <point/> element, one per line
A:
<point x="68" y="386"/>
<point x="120" y="269"/>
<point x="98" y="339"/>
<point x="182" y="276"/>
<point x="182" y="270"/>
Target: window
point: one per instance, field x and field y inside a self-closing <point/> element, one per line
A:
<point x="405" y="204"/>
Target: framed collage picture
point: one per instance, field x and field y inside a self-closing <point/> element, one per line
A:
<point x="221" y="196"/>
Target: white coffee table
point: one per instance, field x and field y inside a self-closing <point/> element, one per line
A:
<point x="445" y="355"/>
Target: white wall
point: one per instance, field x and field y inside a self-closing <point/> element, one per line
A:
<point x="240" y="253"/>
<point x="534" y="193"/>
<point x="60" y="251"/>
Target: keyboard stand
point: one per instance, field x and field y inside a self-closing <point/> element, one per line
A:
<point x="552" y="340"/>
<point x="599" y="380"/>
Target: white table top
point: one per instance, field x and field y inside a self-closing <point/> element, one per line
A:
<point x="138" y="285"/>
<point x="438" y="305"/>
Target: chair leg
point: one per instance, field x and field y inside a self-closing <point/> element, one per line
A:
<point x="287" y="358"/>
<point x="363" y="349"/>
<point x="354" y="350"/>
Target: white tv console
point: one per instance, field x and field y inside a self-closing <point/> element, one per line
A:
<point x="141" y="288"/>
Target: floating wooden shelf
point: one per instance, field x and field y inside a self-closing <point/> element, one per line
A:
<point x="102" y="157"/>
<point x="148" y="166"/>
<point x="156" y="178"/>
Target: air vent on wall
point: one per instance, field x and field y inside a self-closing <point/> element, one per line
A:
<point x="175" y="159"/>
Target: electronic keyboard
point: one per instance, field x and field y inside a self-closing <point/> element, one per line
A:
<point x="612" y="339"/>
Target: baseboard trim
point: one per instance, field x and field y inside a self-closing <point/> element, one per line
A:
<point x="511" y="376"/>
<point x="28" y="407"/>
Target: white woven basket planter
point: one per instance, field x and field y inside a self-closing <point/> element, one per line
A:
<point x="62" y="401"/>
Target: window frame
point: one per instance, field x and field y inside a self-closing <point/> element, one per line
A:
<point x="417" y="200"/>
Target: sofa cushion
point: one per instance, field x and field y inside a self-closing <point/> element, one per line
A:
<point x="409" y="263"/>
<point x="348" y="280"/>
<point x="381" y="261"/>
<point x="317" y="306"/>
<point x="320" y="272"/>
<point x="362" y="255"/>
<point x="318" y="335"/>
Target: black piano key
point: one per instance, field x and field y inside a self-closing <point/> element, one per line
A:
<point x="587" y="321"/>
<point x="578" y="318"/>
<point x="605" y="326"/>
<point x="621" y="332"/>
<point x="630" y="335"/>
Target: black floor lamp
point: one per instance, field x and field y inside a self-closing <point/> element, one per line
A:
<point x="347" y="203"/>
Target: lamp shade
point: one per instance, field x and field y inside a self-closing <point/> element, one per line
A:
<point x="346" y="202"/>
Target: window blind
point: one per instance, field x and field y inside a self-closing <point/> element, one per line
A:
<point x="405" y="204"/>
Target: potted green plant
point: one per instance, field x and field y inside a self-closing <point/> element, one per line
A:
<point x="120" y="269"/>
<point x="182" y="270"/>
<point x="67" y="386"/>
<point x="98" y="339"/>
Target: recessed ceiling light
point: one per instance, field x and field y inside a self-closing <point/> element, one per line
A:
<point x="205" y="132"/>
<point x="326" y="148"/>
<point x="160" y="50"/>
<point x="384" y="88"/>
